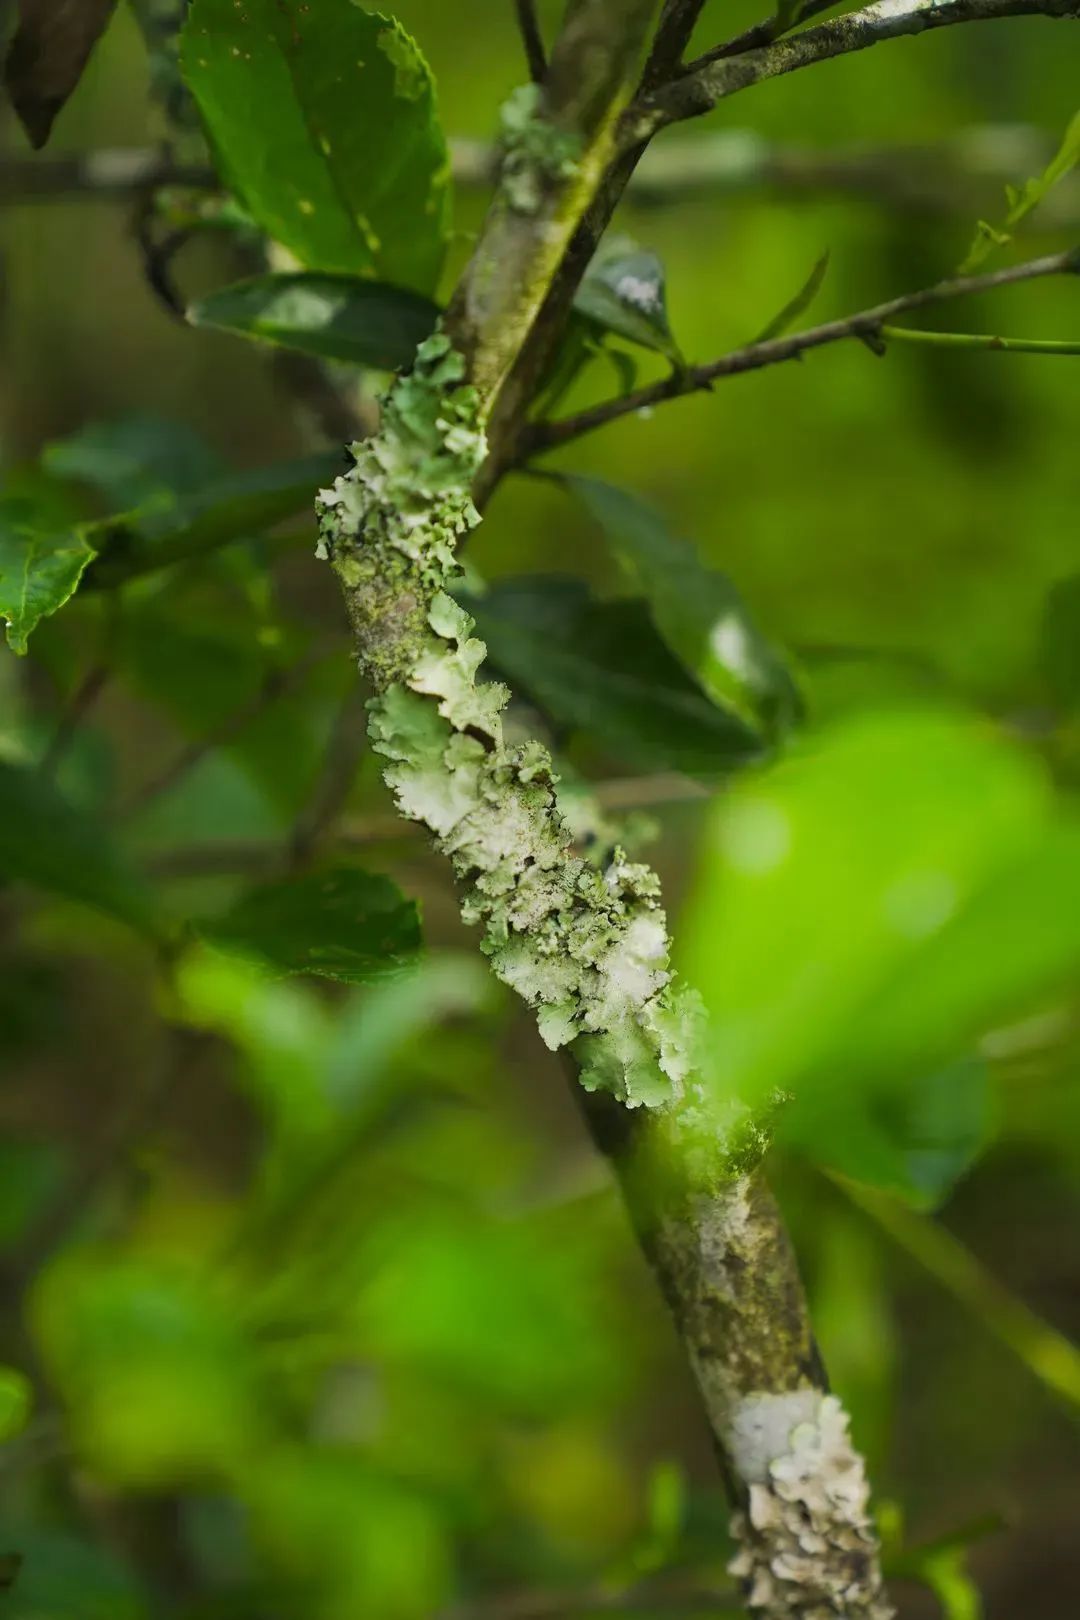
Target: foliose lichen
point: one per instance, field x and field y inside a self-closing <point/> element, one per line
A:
<point x="534" y="150"/>
<point x="587" y="947"/>
<point x="807" y="1546"/>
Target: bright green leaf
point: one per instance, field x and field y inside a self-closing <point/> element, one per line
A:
<point x="1024" y="199"/>
<point x="601" y="667"/>
<point x="797" y="305"/>
<point x="39" y="570"/>
<point x="324" y="123"/>
<point x="16" y="1400"/>
<point x="46" y="842"/>
<point x="340" y="923"/>
<point x="697" y="610"/>
<point x="362" y="323"/>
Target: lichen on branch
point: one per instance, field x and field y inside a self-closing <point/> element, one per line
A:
<point x="588" y="949"/>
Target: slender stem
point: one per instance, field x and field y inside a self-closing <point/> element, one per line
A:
<point x="867" y="324"/>
<point x="532" y="39"/>
<point x="978" y="340"/>
<point x="761" y="33"/>
<point x="1053" y="1358"/>
<point x="699" y="91"/>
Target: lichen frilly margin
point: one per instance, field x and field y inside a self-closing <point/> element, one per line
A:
<point x="587" y="948"/>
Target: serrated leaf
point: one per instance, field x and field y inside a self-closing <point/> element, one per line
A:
<point x="340" y="923"/>
<point x="40" y="569"/>
<point x="363" y="323"/>
<point x="47" y="843"/>
<point x="45" y="62"/>
<point x="625" y="292"/>
<point x="324" y="123"/>
<point x="172" y="528"/>
<point x="697" y="610"/>
<point x="797" y="305"/>
<point x="601" y="668"/>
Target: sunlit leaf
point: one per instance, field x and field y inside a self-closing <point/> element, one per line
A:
<point x="697" y="610"/>
<point x="363" y="323"/>
<point x="601" y="667"/>
<point x="40" y="569"/>
<point x="1022" y="200"/>
<point x="324" y="123"/>
<point x="339" y="923"/>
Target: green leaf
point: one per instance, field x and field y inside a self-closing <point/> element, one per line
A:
<point x="46" y="842"/>
<point x="340" y="923"/>
<point x="324" y="123"/>
<point x="624" y="291"/>
<point x="1022" y="200"/>
<point x="697" y="610"/>
<point x="40" y="570"/>
<point x="362" y="323"/>
<point x="16" y="1400"/>
<point x="601" y="667"/>
<point x="868" y="910"/>
<point x="798" y="305"/>
<point x="134" y="459"/>
<point x="230" y="508"/>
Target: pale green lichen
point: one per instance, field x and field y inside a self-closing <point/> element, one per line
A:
<point x="535" y="151"/>
<point x="586" y="946"/>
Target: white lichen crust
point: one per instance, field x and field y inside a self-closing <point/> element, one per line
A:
<point x="587" y="948"/>
<point x="807" y="1547"/>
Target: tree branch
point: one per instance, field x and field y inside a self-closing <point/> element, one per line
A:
<point x="866" y="324"/>
<point x="532" y="39"/>
<point x="702" y="89"/>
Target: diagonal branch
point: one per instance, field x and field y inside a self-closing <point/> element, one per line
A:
<point x="700" y="90"/>
<point x="532" y="39"/>
<point x="867" y="324"/>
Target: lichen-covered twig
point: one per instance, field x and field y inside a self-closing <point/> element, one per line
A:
<point x="703" y="88"/>
<point x="866" y="324"/>
<point x="587" y="947"/>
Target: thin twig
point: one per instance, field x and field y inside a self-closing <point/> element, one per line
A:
<point x="532" y="39"/>
<point x="761" y="33"/>
<point x="866" y="325"/>
<point x="979" y="340"/>
<point x="700" y="90"/>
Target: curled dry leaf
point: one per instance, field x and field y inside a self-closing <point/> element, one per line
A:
<point x="51" y="47"/>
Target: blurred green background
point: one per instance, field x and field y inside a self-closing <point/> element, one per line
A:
<point x="329" y="1307"/>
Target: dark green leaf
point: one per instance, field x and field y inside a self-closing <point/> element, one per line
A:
<point x="336" y="317"/>
<point x="45" y="842"/>
<point x="624" y="292"/>
<point x="229" y="508"/>
<point x="1060" y="649"/>
<point x="601" y="667"/>
<point x="324" y="122"/>
<point x="340" y="924"/>
<point x="697" y="610"/>
<point x="134" y="459"/>
<point x="39" y="569"/>
<point x="799" y="304"/>
<point x="47" y="56"/>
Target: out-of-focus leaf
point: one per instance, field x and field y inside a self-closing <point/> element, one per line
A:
<point x="134" y="459"/>
<point x="363" y="323"/>
<point x="60" y="1575"/>
<point x="16" y="1400"/>
<point x="341" y="923"/>
<point x="1024" y="199"/>
<point x="45" y="62"/>
<point x="867" y="910"/>
<point x="46" y="842"/>
<point x="697" y="610"/>
<point x="798" y="305"/>
<point x="40" y="569"/>
<point x="158" y="1381"/>
<point x="624" y="291"/>
<point x="324" y="122"/>
<point x="1060" y="641"/>
<point x="229" y="508"/>
<point x="601" y="667"/>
